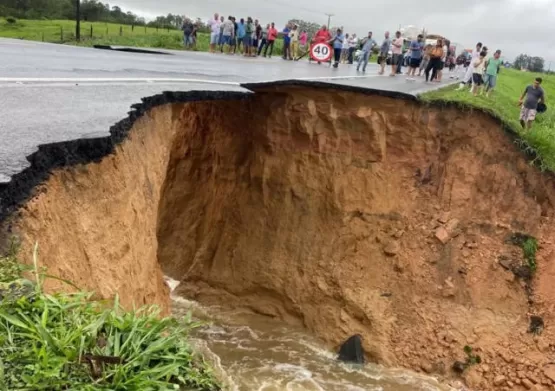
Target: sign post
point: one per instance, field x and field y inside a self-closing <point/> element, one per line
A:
<point x="320" y="51"/>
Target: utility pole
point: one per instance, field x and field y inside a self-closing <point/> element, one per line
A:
<point x="329" y="19"/>
<point x="78" y="20"/>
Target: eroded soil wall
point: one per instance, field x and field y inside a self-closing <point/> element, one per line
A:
<point x="322" y="208"/>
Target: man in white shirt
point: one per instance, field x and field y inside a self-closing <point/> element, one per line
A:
<point x="396" y="51"/>
<point x="353" y="43"/>
<point x="446" y="44"/>
<point x="470" y="70"/>
<point x="214" y="25"/>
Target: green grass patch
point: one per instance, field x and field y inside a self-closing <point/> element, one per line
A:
<point x="72" y="342"/>
<point x="503" y="104"/>
<point x="101" y="33"/>
<point x="529" y="249"/>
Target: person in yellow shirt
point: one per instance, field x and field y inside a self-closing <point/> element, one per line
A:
<point x="294" y="35"/>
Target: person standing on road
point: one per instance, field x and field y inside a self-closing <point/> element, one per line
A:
<point x="257" y="37"/>
<point x="228" y="28"/>
<point x="467" y="79"/>
<point x="264" y="39"/>
<point x="196" y="27"/>
<point x="187" y="27"/>
<point x="241" y="31"/>
<point x="303" y="40"/>
<point x="221" y="37"/>
<point x="397" y="52"/>
<point x="493" y="65"/>
<point x="214" y="25"/>
<point x="367" y="45"/>
<point x="435" y="60"/>
<point x="322" y="36"/>
<point x="345" y="49"/>
<point x="234" y="37"/>
<point x="272" y="35"/>
<point x="416" y="48"/>
<point x="353" y="43"/>
<point x="294" y="36"/>
<point x="247" y="38"/>
<point x="337" y="42"/>
<point x="425" y="59"/>
<point x="534" y="95"/>
<point x="477" y="77"/>
<point x="446" y="45"/>
<point x="286" y="43"/>
<point x="384" y="52"/>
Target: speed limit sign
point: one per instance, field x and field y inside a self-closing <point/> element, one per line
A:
<point x="320" y="51"/>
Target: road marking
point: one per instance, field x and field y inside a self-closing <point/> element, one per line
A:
<point x="108" y="80"/>
<point x="20" y="80"/>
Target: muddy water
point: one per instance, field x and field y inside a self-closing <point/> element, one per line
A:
<point x="255" y="353"/>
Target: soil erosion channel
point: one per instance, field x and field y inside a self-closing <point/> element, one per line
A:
<point x="336" y="211"/>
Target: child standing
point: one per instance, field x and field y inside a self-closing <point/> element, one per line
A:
<point x="477" y="76"/>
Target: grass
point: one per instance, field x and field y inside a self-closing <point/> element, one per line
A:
<point x="503" y="104"/>
<point x="63" y="31"/>
<point x="72" y="342"/>
<point x="529" y="249"/>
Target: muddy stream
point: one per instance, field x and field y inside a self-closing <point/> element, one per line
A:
<point x="256" y="353"/>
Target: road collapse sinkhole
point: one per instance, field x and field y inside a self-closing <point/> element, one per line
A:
<point x="344" y="212"/>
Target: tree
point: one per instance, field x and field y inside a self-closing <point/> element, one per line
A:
<point x="536" y="64"/>
<point x="533" y="64"/>
<point x="522" y="61"/>
<point x="90" y="10"/>
<point x="310" y="27"/>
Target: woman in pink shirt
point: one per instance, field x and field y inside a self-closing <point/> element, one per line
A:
<point x="302" y="40"/>
<point x="272" y="35"/>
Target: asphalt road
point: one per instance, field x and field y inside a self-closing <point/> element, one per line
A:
<point x="54" y="92"/>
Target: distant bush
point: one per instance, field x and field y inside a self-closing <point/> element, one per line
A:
<point x="11" y="20"/>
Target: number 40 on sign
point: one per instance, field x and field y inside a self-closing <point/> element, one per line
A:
<point x="320" y="52"/>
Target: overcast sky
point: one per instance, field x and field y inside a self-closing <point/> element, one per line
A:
<point x="514" y="26"/>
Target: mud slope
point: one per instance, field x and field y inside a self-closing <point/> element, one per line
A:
<point x="342" y="211"/>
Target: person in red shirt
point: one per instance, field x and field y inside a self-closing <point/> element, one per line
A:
<point x="322" y="35"/>
<point x="272" y="35"/>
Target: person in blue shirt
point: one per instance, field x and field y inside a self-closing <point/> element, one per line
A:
<point x="416" y="49"/>
<point x="367" y="45"/>
<point x="337" y="43"/>
<point x="241" y="31"/>
<point x="286" y="43"/>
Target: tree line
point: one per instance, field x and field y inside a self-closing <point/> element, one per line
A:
<point x="531" y="63"/>
<point x="90" y="10"/>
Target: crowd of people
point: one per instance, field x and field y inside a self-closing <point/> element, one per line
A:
<point x="249" y="38"/>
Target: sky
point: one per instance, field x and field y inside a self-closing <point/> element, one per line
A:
<point x="514" y="26"/>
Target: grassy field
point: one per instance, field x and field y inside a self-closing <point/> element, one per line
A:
<point x="100" y="33"/>
<point x="504" y="104"/>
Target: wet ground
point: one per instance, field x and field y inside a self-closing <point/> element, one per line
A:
<point x="54" y="92"/>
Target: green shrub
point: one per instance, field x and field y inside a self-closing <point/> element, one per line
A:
<point x="529" y="248"/>
<point x="69" y="341"/>
<point x="11" y="20"/>
<point x="471" y="358"/>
